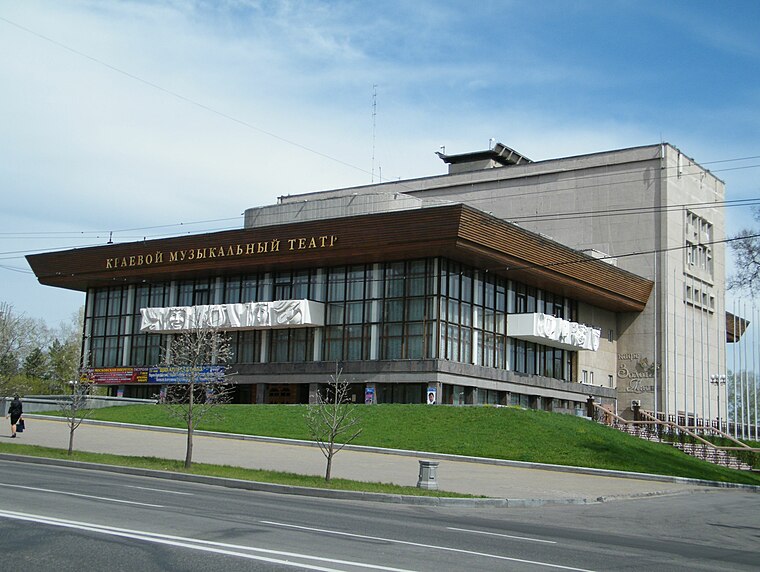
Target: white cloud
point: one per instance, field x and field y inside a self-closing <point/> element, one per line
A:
<point x="252" y="100"/>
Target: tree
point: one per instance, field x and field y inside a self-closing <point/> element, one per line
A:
<point x="742" y="396"/>
<point x="194" y="360"/>
<point x="63" y="362"/>
<point x="17" y="338"/>
<point x="746" y="247"/>
<point x="74" y="408"/>
<point x="332" y="419"/>
<point x="35" y="364"/>
<point x="32" y="355"/>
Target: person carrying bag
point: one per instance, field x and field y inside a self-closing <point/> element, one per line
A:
<point x="14" y="412"/>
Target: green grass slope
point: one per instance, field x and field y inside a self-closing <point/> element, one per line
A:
<point x="494" y="432"/>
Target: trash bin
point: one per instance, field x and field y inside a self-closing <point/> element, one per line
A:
<point x="427" y="478"/>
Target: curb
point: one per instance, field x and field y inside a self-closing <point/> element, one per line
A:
<point x="329" y="493"/>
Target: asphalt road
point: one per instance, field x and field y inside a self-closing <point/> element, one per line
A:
<point x="56" y="518"/>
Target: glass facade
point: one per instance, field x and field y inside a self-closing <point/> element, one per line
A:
<point x="430" y="308"/>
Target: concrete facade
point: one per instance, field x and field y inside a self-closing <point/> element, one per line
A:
<point x="650" y="210"/>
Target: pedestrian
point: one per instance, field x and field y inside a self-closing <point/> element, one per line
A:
<point x="14" y="412"/>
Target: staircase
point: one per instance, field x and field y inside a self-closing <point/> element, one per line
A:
<point x="652" y="429"/>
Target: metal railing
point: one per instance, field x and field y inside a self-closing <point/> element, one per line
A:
<point x="649" y="426"/>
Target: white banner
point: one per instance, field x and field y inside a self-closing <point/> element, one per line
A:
<point x="552" y="331"/>
<point x="248" y="316"/>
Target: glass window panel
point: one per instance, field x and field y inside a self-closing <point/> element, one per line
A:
<point x="501" y="352"/>
<point x="137" y="355"/>
<point x="317" y="288"/>
<point x="416" y="286"/>
<point x="265" y="289"/>
<point x="336" y="286"/>
<point x="101" y="303"/>
<point x="333" y="343"/>
<point x="354" y="312"/>
<point x="392" y="337"/>
<point x="453" y="288"/>
<point x="453" y="317"/>
<point x="246" y="347"/>
<point x="232" y="291"/>
<point x="283" y="285"/>
<point x="249" y="289"/>
<point x="518" y="357"/>
<point x="415" y="309"/>
<point x="96" y="351"/>
<point x="477" y="290"/>
<point x="142" y="297"/>
<point x="530" y="358"/>
<point x="501" y="297"/>
<point x="466" y="314"/>
<point x="201" y="297"/>
<point x="466" y="285"/>
<point x="301" y="281"/>
<point x="466" y="345"/>
<point x="159" y="296"/>
<point x="99" y="327"/>
<point x="354" y="342"/>
<point x="489" y="298"/>
<point x="114" y="302"/>
<point x="452" y="342"/>
<point x="335" y="313"/>
<point x="113" y="326"/>
<point x="415" y="339"/>
<point x="153" y="350"/>
<point x="488" y="350"/>
<point x="489" y="319"/>
<point x="432" y="308"/>
<point x="112" y="356"/>
<point x="394" y="310"/>
<point x="279" y="347"/>
<point x="477" y="318"/>
<point x="355" y="286"/>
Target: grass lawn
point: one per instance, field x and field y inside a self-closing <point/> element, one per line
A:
<point x="495" y="432"/>
<point x="224" y="471"/>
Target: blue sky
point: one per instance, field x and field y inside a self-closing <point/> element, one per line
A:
<point x="143" y="119"/>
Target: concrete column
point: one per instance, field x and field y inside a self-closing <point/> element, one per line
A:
<point x="313" y="390"/>
<point x="127" y="333"/>
<point x="260" y="392"/>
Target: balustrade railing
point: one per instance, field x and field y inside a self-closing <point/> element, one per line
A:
<point x="705" y="441"/>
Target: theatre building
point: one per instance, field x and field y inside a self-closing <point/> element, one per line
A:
<point x="409" y="298"/>
<point x="492" y="284"/>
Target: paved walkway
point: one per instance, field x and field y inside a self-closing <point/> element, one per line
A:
<point x="495" y="481"/>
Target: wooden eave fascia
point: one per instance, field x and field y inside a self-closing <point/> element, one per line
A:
<point x="456" y="231"/>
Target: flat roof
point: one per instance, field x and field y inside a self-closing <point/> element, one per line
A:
<point x="458" y="232"/>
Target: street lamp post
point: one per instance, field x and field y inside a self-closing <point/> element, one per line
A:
<point x="718" y="380"/>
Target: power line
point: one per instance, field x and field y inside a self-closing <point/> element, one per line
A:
<point x="244" y="123"/>
<point x="527" y="218"/>
<point x="183" y="97"/>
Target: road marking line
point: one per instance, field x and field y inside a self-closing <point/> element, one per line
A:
<point x="502" y="535"/>
<point x="158" y="490"/>
<point x="420" y="545"/>
<point x="84" y="496"/>
<point x="197" y="544"/>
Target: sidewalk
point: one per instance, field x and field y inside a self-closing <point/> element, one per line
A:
<point x="477" y="478"/>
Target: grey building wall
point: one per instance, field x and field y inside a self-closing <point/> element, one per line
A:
<point x="633" y="205"/>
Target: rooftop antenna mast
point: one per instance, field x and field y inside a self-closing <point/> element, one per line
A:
<point x="374" y="115"/>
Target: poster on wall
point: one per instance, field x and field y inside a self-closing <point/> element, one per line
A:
<point x="184" y="374"/>
<point x="432" y="394"/>
<point x="369" y="395"/>
<point x="114" y="375"/>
